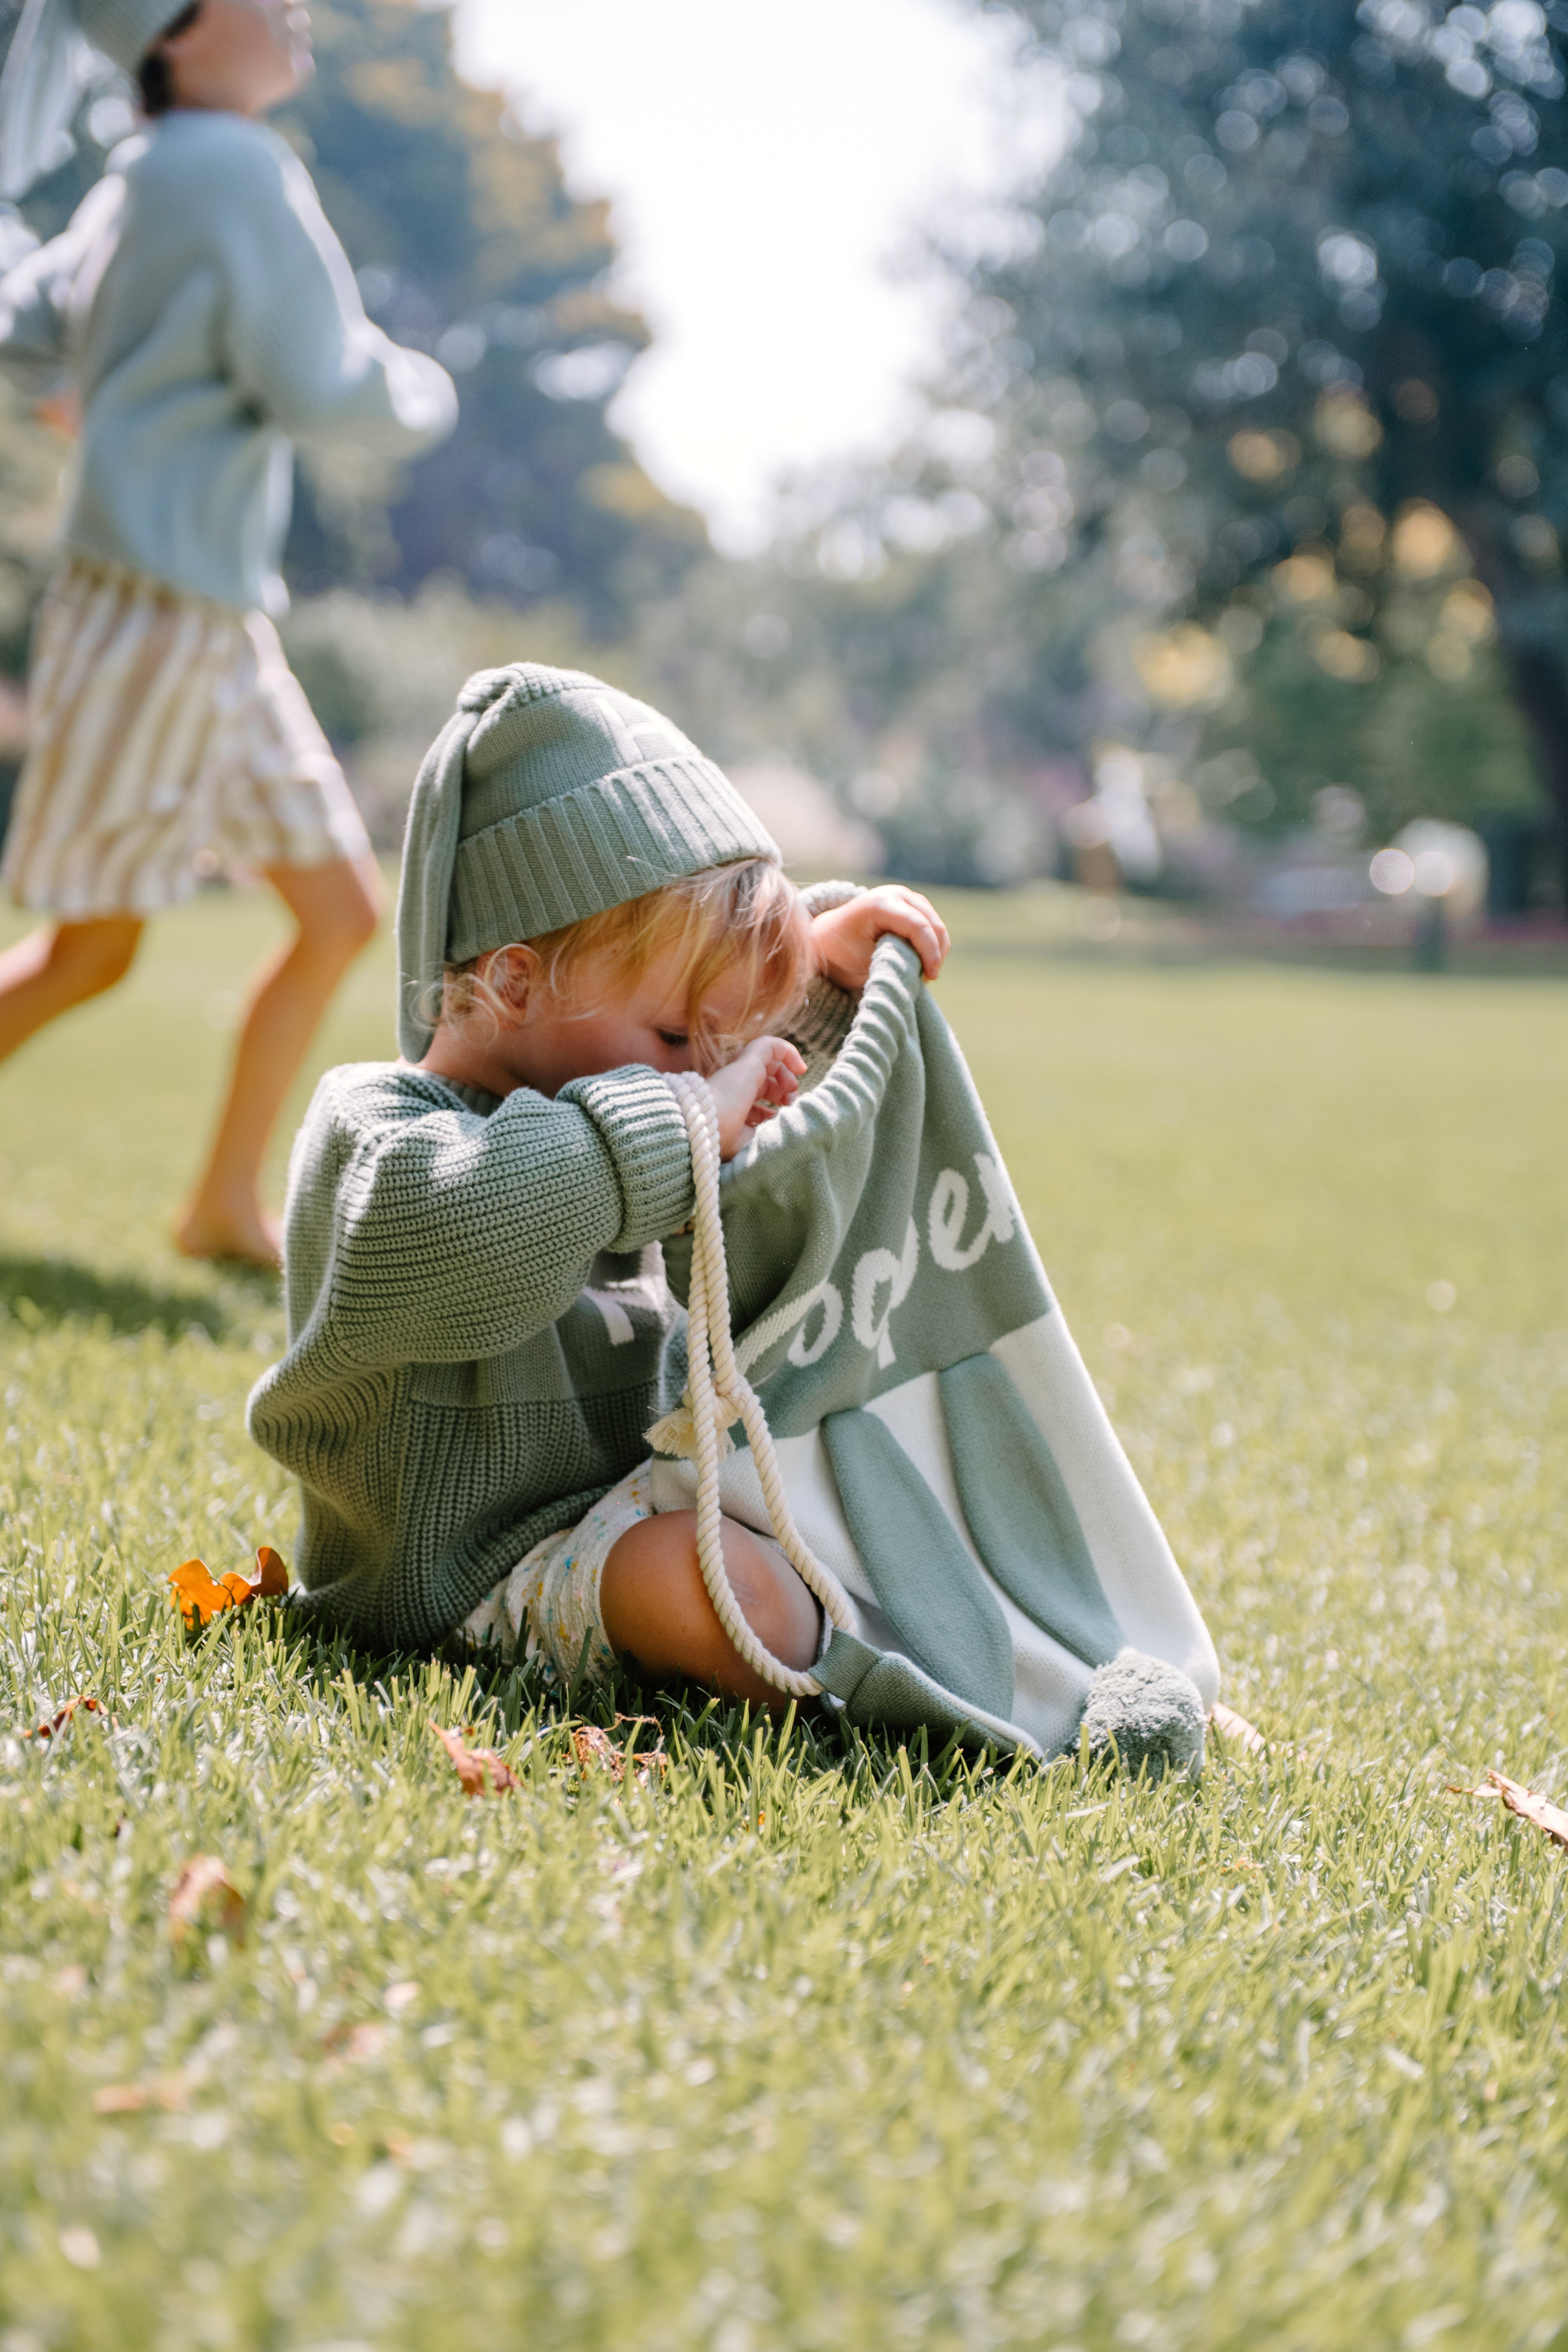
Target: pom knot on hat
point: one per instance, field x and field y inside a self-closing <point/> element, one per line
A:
<point x="548" y="797"/>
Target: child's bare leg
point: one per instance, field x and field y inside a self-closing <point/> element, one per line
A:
<point x="337" y="908"/>
<point x="656" y="1608"/>
<point x="60" y="965"/>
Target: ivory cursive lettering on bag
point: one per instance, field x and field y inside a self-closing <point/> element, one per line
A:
<point x="950" y="1213"/>
<point x="876" y="1267"/>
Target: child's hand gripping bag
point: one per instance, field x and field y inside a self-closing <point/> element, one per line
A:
<point x="920" y="1431"/>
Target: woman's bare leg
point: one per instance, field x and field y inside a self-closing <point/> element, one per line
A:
<point x="336" y="908"/>
<point x="58" y="966"/>
<point x="656" y="1608"/>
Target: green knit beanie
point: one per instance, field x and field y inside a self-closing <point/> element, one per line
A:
<point x="547" y="797"/>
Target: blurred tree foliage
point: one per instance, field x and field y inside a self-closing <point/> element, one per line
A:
<point x="1249" y="452"/>
<point x="469" y="243"/>
<point x="943" y="698"/>
<point x="1276" y="363"/>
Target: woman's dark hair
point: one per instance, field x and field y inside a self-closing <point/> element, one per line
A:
<point x="153" y="78"/>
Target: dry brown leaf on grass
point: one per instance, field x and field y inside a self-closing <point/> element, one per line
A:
<point x="199" y="1596"/>
<point x="120" y="2099"/>
<point x="478" y="1768"/>
<point x="591" y="1745"/>
<point x="205" y="1897"/>
<point x="1539" y="1811"/>
<point x="129" y="2098"/>
<point x="366" y="2040"/>
<point x="594" y="1747"/>
<point x="1235" y="1730"/>
<point x="62" y="1715"/>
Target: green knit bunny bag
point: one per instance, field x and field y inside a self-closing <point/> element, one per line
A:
<point x="869" y="1314"/>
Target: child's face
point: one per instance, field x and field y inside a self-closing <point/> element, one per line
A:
<point x="240" y="56"/>
<point x="602" y="1026"/>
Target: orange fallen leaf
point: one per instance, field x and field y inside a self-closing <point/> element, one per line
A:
<point x="272" y="1575"/>
<point x="62" y="1715"/>
<point x="1235" y="1730"/>
<point x="1539" y="1811"/>
<point x="196" y="1596"/>
<point x="205" y="1897"/>
<point x="203" y="1597"/>
<point x="478" y="1768"/>
<point x="200" y="1596"/>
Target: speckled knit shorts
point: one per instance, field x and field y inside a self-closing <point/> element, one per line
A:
<point x="551" y="1601"/>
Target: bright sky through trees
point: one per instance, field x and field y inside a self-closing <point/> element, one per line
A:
<point x="769" y="169"/>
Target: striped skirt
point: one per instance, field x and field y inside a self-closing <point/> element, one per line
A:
<point x="169" y="741"/>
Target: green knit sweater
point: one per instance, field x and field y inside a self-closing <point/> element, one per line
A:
<point x="478" y="1323"/>
<point x="476" y="1338"/>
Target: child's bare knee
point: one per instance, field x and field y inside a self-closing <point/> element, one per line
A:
<point x="773" y="1600"/>
<point x="656" y="1608"/>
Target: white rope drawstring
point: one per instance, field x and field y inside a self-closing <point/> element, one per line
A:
<point x="717" y="1395"/>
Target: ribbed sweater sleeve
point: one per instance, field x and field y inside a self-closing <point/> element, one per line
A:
<point x="458" y="1236"/>
<point x="297" y="336"/>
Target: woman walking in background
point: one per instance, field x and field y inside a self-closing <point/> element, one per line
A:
<point x="197" y="314"/>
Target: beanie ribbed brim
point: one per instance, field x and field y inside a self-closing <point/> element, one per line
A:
<point x="586" y="851"/>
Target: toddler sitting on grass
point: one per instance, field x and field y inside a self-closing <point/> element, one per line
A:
<point x="477" y="1318"/>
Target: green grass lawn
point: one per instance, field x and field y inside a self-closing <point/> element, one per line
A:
<point x="802" y="2045"/>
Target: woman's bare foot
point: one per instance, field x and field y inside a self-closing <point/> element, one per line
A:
<point x="249" y="1235"/>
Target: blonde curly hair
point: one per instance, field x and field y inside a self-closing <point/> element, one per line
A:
<point x="744" y="919"/>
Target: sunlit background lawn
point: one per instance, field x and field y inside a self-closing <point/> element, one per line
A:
<point x="803" y="2044"/>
